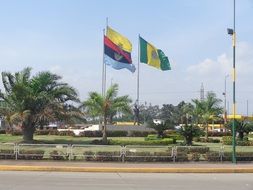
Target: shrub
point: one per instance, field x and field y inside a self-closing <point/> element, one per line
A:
<point x="240" y="156"/>
<point x="7" y="154"/>
<point x="218" y="134"/>
<point x="42" y="132"/>
<point x="165" y="141"/>
<point x="195" y="156"/>
<point x="181" y="157"/>
<point x="148" y="156"/>
<point x="58" y="155"/>
<point x="117" y="133"/>
<point x="209" y="140"/>
<point x="102" y="156"/>
<point x="140" y="133"/>
<point x="91" y="134"/>
<point x="31" y="154"/>
<point x="212" y="156"/>
<point x="2" y="131"/>
<point x="53" y="132"/>
<point x="227" y="140"/>
<point x="16" y="132"/>
<point x="192" y="149"/>
<point x="66" y="133"/>
<point x="152" y="137"/>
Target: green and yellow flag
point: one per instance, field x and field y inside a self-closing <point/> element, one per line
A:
<point x="119" y="40"/>
<point x="152" y="56"/>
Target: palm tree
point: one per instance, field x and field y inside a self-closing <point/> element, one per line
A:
<point x="31" y="101"/>
<point x="103" y="106"/>
<point x="208" y="110"/>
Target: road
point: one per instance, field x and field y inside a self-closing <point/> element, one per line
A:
<point x="123" y="181"/>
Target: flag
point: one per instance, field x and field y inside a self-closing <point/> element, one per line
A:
<point x="152" y="56"/>
<point x="115" y="57"/>
<point x="117" y="51"/>
<point x="118" y="39"/>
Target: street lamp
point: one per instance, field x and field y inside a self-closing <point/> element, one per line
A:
<point x="233" y="34"/>
<point x="225" y="99"/>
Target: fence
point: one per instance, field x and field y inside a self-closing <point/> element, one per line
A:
<point x="128" y="153"/>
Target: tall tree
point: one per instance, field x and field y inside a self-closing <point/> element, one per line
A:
<point x="103" y="106"/>
<point x="208" y="110"/>
<point x="31" y="101"/>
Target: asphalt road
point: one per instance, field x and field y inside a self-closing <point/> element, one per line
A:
<point x="123" y="181"/>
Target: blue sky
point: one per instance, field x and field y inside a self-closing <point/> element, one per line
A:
<point x="66" y="38"/>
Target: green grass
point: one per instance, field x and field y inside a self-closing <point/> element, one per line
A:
<point x="55" y="139"/>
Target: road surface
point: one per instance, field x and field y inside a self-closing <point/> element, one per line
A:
<point x="123" y="181"/>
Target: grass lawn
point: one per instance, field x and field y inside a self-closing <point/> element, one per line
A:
<point x="55" y="139"/>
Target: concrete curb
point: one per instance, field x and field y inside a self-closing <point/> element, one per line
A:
<point x="124" y="170"/>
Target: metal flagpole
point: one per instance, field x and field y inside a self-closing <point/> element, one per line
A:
<point x="103" y="65"/>
<point x="138" y="82"/>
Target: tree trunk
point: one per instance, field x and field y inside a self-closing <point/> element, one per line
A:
<point x="241" y="135"/>
<point x="28" y="132"/>
<point x="104" y="138"/>
<point x="206" y="131"/>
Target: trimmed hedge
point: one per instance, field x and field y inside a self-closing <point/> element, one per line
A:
<point x="192" y="149"/>
<point x="91" y="134"/>
<point x="117" y="133"/>
<point x="101" y="156"/>
<point x="227" y="140"/>
<point x="165" y="141"/>
<point x="218" y="134"/>
<point x="7" y="154"/>
<point x="31" y="154"/>
<point x="204" y="140"/>
<point x="58" y="155"/>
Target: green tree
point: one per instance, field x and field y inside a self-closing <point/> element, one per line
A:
<point x="97" y="105"/>
<point x="189" y="131"/>
<point x="242" y="127"/>
<point x="32" y="101"/>
<point x="161" y="127"/>
<point x="206" y="111"/>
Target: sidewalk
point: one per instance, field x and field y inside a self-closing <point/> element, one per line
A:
<point x="71" y="166"/>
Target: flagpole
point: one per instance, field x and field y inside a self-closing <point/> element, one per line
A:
<point x="138" y="82"/>
<point x="103" y="65"/>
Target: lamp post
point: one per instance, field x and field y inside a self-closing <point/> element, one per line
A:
<point x="233" y="34"/>
<point x="225" y="99"/>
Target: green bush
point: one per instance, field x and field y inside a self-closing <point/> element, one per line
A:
<point x="31" y="154"/>
<point x="193" y="149"/>
<point x="2" y="131"/>
<point x="227" y="140"/>
<point x="102" y="156"/>
<point x="152" y="137"/>
<point x="204" y="140"/>
<point x="165" y="141"/>
<point x="148" y="156"/>
<point x="117" y="133"/>
<point x="140" y="133"/>
<point x="42" y="132"/>
<point x="218" y="134"/>
<point x="213" y="156"/>
<point x="240" y="156"/>
<point x="91" y="134"/>
<point x="58" y="155"/>
<point x="181" y="157"/>
<point x="7" y="154"/>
